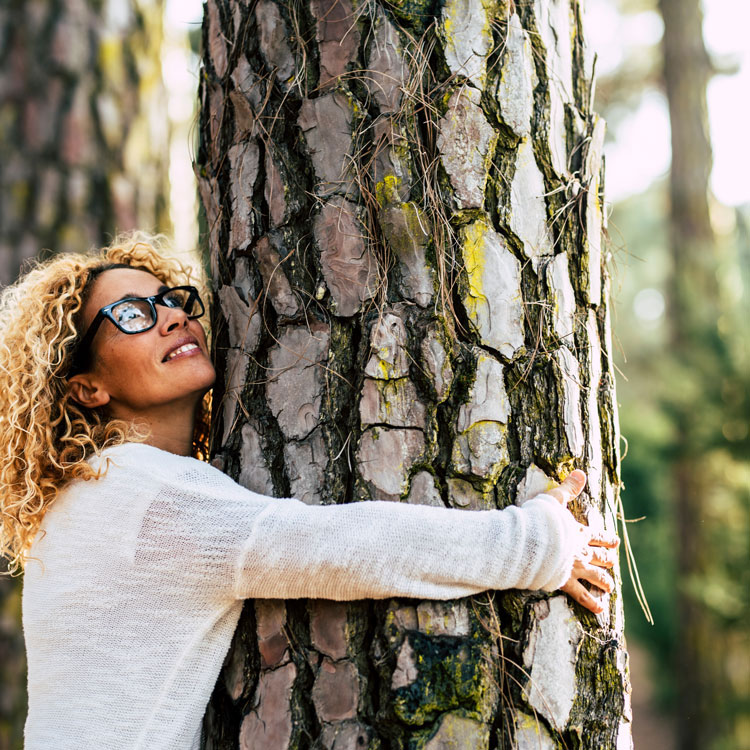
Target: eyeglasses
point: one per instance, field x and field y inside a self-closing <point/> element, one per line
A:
<point x="138" y="314"/>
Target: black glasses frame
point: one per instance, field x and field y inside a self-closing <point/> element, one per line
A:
<point x="153" y="300"/>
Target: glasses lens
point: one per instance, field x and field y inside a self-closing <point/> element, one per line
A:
<point x="186" y="299"/>
<point x="175" y="298"/>
<point x="133" y="315"/>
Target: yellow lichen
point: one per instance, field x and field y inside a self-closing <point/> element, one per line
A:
<point x="386" y="191"/>
<point x="473" y="249"/>
<point x="111" y="61"/>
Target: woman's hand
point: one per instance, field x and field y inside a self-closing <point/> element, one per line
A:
<point x="596" y="550"/>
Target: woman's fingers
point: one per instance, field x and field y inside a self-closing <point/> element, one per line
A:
<point x="597" y="551"/>
<point x="604" y="558"/>
<point x="583" y="596"/>
<point x="602" y="538"/>
<point x="596" y="576"/>
<point x="570" y="488"/>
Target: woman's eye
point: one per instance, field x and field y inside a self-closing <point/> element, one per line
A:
<point x="173" y="300"/>
<point x="126" y="313"/>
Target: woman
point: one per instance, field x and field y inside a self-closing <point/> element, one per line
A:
<point x="137" y="556"/>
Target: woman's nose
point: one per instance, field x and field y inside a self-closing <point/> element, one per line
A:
<point x="171" y="318"/>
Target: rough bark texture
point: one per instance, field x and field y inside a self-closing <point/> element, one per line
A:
<point x="80" y="158"/>
<point x="694" y="278"/>
<point x="404" y="204"/>
<point x="83" y="127"/>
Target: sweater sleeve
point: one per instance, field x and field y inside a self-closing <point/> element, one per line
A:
<point x="380" y="549"/>
<point x="213" y="533"/>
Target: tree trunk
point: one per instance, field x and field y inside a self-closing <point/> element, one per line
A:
<point x="83" y="146"/>
<point x="404" y="204"/>
<point x="83" y="128"/>
<point x="693" y="314"/>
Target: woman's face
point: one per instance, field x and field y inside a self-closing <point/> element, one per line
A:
<point x="139" y="374"/>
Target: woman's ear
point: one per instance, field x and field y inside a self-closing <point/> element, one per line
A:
<point x="84" y="390"/>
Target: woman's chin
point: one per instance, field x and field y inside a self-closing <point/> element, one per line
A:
<point x="193" y="381"/>
<point x="207" y="379"/>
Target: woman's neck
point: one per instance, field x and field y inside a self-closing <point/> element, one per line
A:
<point x="169" y="427"/>
<point x="169" y="441"/>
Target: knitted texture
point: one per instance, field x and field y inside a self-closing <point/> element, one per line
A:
<point x="130" y="605"/>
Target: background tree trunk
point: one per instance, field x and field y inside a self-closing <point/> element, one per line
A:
<point x="83" y="153"/>
<point x="404" y="203"/>
<point x="693" y="316"/>
<point x="83" y="128"/>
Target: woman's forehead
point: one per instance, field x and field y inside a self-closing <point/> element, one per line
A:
<point x="117" y="283"/>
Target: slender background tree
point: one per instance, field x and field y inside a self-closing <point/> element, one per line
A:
<point x="404" y="207"/>
<point x="687" y="70"/>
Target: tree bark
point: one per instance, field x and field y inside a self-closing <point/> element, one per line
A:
<point x="404" y="206"/>
<point x="83" y="153"/>
<point x="693" y="313"/>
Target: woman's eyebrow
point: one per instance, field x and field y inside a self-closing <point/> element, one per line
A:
<point x="128" y="295"/>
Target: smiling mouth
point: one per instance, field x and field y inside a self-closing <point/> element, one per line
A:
<point x="182" y="350"/>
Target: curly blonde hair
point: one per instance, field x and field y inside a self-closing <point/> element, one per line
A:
<point x="45" y="436"/>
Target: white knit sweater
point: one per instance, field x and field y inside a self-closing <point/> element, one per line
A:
<point x="130" y="607"/>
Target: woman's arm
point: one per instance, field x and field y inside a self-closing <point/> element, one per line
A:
<point x="241" y="544"/>
<point x="377" y="550"/>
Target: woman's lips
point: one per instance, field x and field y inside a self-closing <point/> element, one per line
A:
<point x="182" y="349"/>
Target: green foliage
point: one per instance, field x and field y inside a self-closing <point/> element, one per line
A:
<point x="710" y="383"/>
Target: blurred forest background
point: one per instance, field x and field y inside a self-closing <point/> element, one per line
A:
<point x="97" y="113"/>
